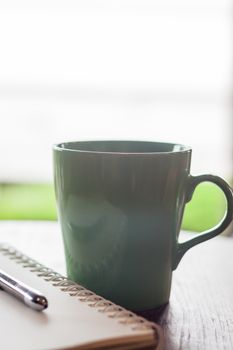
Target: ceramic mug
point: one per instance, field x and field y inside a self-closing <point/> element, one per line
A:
<point x="120" y="205"/>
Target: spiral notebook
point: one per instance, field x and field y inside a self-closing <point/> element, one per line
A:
<point x="76" y="318"/>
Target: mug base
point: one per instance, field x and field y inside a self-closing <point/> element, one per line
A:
<point x="152" y="314"/>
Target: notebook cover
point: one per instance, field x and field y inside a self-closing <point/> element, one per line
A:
<point x="76" y="318"/>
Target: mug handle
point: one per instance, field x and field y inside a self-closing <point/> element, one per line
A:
<point x="182" y="248"/>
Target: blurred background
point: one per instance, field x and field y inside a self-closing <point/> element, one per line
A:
<point x="113" y="69"/>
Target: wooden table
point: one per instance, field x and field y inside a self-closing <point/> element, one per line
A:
<point x="200" y="313"/>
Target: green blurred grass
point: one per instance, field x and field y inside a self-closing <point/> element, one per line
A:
<point x="37" y="202"/>
<point x="27" y="202"/>
<point x="206" y="208"/>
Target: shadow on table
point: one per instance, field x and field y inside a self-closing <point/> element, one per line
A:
<point x="154" y="315"/>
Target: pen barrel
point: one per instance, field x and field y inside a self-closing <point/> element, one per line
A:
<point x="28" y="295"/>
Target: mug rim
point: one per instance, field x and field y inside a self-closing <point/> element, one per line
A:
<point x="177" y="147"/>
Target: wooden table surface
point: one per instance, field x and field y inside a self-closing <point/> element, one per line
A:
<point x="200" y="313"/>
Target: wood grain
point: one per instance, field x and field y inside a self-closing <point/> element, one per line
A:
<point x="200" y="313"/>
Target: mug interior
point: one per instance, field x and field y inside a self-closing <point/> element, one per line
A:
<point x="117" y="146"/>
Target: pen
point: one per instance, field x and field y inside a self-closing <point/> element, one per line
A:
<point x="26" y="294"/>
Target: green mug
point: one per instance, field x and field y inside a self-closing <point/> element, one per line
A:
<point x="120" y="205"/>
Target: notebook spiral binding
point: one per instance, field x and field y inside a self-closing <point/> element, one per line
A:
<point x="75" y="290"/>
